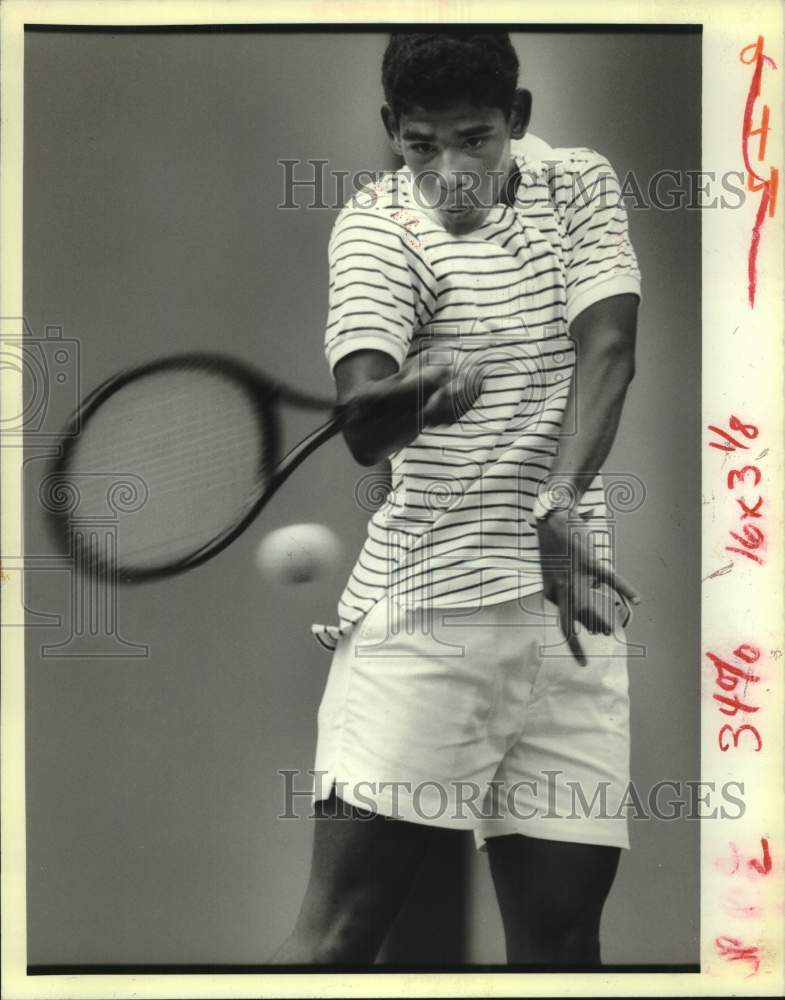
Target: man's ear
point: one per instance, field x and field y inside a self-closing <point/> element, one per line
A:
<point x="391" y="128"/>
<point x="521" y="113"/>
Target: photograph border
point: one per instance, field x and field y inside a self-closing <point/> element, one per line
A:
<point x="741" y="607"/>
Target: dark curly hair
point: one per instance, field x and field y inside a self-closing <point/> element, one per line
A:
<point x="429" y="69"/>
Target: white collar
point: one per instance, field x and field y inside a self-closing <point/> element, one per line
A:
<point x="530" y="148"/>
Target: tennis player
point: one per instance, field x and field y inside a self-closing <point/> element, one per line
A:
<point x="482" y="316"/>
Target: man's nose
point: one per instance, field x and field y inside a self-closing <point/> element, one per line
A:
<point x="453" y="171"/>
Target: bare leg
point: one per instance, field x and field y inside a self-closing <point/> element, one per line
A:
<point x="551" y="896"/>
<point x="361" y="871"/>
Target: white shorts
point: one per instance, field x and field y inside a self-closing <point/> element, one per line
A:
<point x="479" y="719"/>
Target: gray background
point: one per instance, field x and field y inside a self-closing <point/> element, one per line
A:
<point x="151" y="184"/>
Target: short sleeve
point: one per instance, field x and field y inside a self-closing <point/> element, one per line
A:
<point x="601" y="261"/>
<point x="372" y="297"/>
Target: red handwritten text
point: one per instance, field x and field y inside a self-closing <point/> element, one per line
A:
<point x="728" y="677"/>
<point x="753" y="55"/>
<point x="733" y="948"/>
<point x="750" y="538"/>
<point x="736" y="951"/>
<point x="759" y="866"/>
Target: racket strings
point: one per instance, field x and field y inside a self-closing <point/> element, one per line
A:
<point x="158" y="432"/>
<point x="175" y="471"/>
<point x="196" y="442"/>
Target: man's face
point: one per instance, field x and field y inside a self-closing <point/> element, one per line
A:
<point x="459" y="156"/>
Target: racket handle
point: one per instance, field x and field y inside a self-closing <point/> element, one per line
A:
<point x="307" y="446"/>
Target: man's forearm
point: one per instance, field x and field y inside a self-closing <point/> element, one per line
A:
<point x="604" y="370"/>
<point x="388" y="409"/>
<point x="391" y="419"/>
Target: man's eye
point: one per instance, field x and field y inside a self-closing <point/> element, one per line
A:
<point x="422" y="147"/>
<point x="476" y="143"/>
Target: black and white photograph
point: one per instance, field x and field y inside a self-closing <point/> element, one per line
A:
<point x="369" y="503"/>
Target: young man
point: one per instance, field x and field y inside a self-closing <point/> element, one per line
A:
<point x="482" y="321"/>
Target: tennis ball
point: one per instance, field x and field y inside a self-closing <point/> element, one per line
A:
<point x="298" y="553"/>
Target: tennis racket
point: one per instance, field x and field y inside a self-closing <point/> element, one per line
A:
<point x="187" y="451"/>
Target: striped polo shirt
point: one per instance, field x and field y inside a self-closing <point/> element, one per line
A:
<point x="453" y="530"/>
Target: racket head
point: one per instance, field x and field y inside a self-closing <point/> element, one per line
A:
<point x="133" y="416"/>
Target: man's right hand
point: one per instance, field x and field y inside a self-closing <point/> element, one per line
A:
<point x="388" y="408"/>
